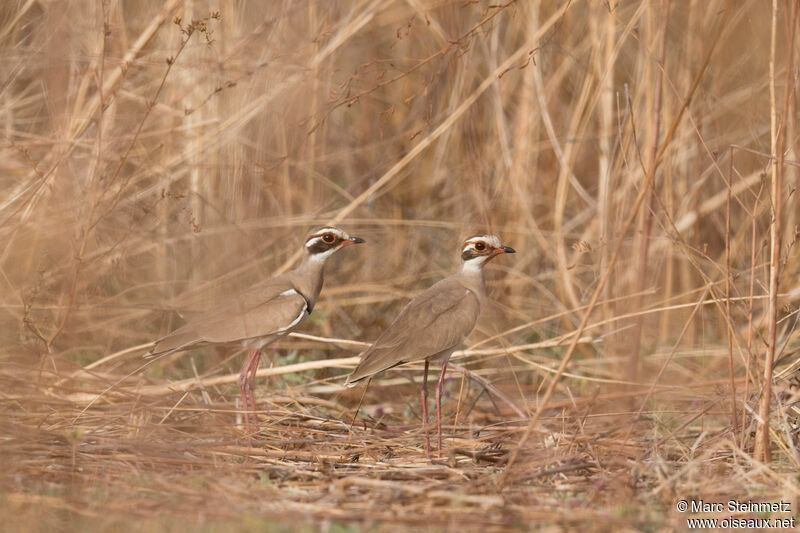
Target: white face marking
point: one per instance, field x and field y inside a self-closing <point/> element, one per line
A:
<point x="288" y="292"/>
<point x="489" y="240"/>
<point x="476" y="263"/>
<point x="320" y="233"/>
<point x="481" y="246"/>
<point x="321" y="257"/>
<point x="319" y="238"/>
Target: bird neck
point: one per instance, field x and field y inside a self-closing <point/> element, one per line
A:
<point x="474" y="266"/>
<point x="471" y="274"/>
<point x="308" y="277"/>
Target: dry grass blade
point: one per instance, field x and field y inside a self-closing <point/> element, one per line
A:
<point x="159" y="156"/>
<point x="625" y="227"/>
<point x="778" y="136"/>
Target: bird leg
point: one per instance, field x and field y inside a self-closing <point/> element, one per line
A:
<point x="424" y="392"/>
<point x="251" y="388"/>
<point x="243" y="393"/>
<point x="439" y="405"/>
<point x="246" y="389"/>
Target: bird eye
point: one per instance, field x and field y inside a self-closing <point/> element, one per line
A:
<point x="480" y="246"/>
<point x="328" y="237"/>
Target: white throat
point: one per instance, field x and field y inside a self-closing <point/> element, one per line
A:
<point x="320" y="258"/>
<point x="474" y="265"/>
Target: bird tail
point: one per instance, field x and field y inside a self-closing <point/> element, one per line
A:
<point x="366" y="368"/>
<point x="180" y="339"/>
<point x="361" y="371"/>
<point x="350" y="381"/>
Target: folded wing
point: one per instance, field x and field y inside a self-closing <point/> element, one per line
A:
<point x="271" y="308"/>
<point x="435" y="321"/>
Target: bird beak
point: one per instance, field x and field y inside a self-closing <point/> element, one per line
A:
<point x="353" y="240"/>
<point x="504" y="250"/>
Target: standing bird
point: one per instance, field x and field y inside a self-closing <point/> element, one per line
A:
<point x="263" y="313"/>
<point x="434" y="323"/>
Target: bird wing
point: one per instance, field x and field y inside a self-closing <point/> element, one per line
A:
<point x="269" y="308"/>
<point x="433" y="322"/>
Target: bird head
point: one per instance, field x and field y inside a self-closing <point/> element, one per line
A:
<point x="480" y="249"/>
<point x="324" y="242"/>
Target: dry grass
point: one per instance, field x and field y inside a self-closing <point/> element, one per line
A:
<point x="159" y="155"/>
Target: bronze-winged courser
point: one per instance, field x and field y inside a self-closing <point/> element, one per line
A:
<point x="434" y="323"/>
<point x="263" y="313"/>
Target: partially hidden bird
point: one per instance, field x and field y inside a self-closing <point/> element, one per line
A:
<point x="261" y="314"/>
<point x="434" y="323"/>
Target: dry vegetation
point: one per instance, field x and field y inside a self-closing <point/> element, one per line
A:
<point x="640" y="156"/>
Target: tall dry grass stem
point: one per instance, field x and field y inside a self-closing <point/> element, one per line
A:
<point x="778" y="141"/>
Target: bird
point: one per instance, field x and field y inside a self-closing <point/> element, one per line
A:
<point x="434" y="323"/>
<point x="261" y="314"/>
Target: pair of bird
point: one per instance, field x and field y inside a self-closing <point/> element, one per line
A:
<point x="429" y="328"/>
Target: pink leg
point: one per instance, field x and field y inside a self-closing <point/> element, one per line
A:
<point x="439" y="405"/>
<point x="251" y="388"/>
<point x="425" y="410"/>
<point x="243" y="393"/>
<point x="246" y="385"/>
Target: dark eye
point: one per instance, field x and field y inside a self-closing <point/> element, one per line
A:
<point x="480" y="246"/>
<point x="328" y="237"/>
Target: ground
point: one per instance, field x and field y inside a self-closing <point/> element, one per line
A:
<point x="176" y="461"/>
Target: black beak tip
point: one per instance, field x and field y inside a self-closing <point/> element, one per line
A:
<point x="508" y="250"/>
<point x="357" y="240"/>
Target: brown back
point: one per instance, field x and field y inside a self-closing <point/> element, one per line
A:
<point x="261" y="311"/>
<point x="435" y="321"/>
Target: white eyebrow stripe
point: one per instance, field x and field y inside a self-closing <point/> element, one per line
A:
<point x="316" y="239"/>
<point x="319" y="237"/>
<point x="490" y="241"/>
